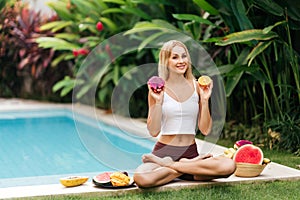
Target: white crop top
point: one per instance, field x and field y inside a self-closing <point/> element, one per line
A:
<point x="180" y="117"/>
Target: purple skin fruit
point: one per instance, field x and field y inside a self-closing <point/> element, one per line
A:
<point x="156" y="84"/>
<point x="241" y="143"/>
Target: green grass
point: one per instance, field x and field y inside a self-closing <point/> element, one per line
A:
<point x="247" y="191"/>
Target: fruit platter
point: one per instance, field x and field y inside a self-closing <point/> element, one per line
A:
<point x="113" y="180"/>
<point x="249" y="158"/>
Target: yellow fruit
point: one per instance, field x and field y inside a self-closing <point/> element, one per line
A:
<point x="266" y="161"/>
<point x="119" y="179"/>
<point x="229" y="152"/>
<point x="72" y="181"/>
<point x="204" y="81"/>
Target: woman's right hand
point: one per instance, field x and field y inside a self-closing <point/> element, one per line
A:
<point x="157" y="97"/>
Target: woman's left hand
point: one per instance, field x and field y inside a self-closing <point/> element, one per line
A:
<point x="205" y="93"/>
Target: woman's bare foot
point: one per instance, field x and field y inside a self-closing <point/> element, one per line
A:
<point x="165" y="162"/>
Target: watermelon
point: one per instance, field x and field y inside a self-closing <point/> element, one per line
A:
<point x="249" y="153"/>
<point x="156" y="84"/>
<point x="103" y="177"/>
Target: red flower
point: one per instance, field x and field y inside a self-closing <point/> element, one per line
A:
<point x="83" y="51"/>
<point x="75" y="52"/>
<point x="99" y="26"/>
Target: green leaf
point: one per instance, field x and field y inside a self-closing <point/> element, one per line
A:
<point x="269" y="6"/>
<point x="195" y="18"/>
<point x="232" y="82"/>
<point x="56" y="25"/>
<point x="103" y="93"/>
<point x="100" y="5"/>
<point x="257" y="50"/>
<point x="234" y="79"/>
<point x="148" y="26"/>
<point x="67" y="36"/>
<point x="60" y="8"/>
<point x="110" y="24"/>
<point x="240" y="14"/>
<point x="60" y="84"/>
<point x="137" y="12"/>
<point x="112" y="10"/>
<point x="121" y="2"/>
<point x="269" y="28"/>
<point x="83" y="90"/>
<point x="55" y="43"/>
<point x="84" y="7"/>
<point x="246" y="36"/>
<point x="149" y="40"/>
<point x="206" y="6"/>
<point x="116" y="75"/>
<point x="58" y="59"/>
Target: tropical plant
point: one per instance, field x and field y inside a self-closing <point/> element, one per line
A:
<point x="24" y="65"/>
<point x="251" y="42"/>
<point x="76" y="31"/>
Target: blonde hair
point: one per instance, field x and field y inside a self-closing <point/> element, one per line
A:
<point x="164" y="56"/>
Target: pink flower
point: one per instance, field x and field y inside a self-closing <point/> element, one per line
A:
<point x="83" y="51"/>
<point x="75" y="52"/>
<point x="99" y="26"/>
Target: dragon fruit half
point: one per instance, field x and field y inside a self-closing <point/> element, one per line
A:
<point x="156" y="84"/>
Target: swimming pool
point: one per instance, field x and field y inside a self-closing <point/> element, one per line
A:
<point x="40" y="146"/>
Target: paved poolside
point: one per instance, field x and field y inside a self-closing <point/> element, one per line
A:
<point x="272" y="172"/>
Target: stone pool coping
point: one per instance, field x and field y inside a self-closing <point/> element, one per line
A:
<point x="272" y="172"/>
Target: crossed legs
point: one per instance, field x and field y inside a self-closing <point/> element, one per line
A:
<point x="157" y="171"/>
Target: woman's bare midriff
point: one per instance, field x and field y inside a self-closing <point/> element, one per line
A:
<point x="178" y="139"/>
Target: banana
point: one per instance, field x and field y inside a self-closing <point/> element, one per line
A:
<point x="266" y="161"/>
<point x="229" y="152"/>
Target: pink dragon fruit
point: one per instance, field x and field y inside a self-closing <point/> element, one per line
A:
<point x="240" y="143"/>
<point x="156" y="84"/>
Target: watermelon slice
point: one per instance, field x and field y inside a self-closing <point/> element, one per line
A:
<point x="102" y="178"/>
<point x="249" y="153"/>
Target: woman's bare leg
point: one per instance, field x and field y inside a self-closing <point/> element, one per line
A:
<point x="151" y="174"/>
<point x="202" y="167"/>
<point x="213" y="167"/>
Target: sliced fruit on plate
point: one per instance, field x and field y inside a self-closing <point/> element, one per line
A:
<point x="249" y="153"/>
<point x="72" y="181"/>
<point x="119" y="179"/>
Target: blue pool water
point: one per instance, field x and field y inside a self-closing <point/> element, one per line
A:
<point x="39" y="147"/>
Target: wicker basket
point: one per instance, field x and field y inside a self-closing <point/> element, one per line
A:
<point x="248" y="170"/>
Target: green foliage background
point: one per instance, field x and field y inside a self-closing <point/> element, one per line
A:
<point x="254" y="43"/>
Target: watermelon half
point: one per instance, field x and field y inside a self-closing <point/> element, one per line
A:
<point x="249" y="153"/>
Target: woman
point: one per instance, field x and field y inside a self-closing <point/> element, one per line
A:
<point x="173" y="116"/>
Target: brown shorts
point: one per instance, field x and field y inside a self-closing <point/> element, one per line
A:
<point x="176" y="153"/>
